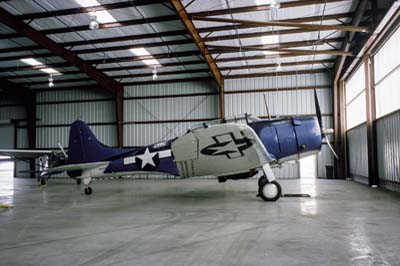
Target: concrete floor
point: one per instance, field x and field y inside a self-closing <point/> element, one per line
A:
<point x="197" y="222"/>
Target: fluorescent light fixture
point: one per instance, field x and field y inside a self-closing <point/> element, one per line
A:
<point x="34" y="62"/>
<point x="151" y="62"/>
<point x="268" y="40"/>
<point x="139" y="51"/>
<point x="272" y="3"/>
<point x="31" y="61"/>
<point x="102" y="16"/>
<point x="51" y="71"/>
<point x="87" y="3"/>
<point x="105" y="17"/>
<point x="144" y="52"/>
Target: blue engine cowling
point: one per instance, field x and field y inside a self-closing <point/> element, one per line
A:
<point x="285" y="138"/>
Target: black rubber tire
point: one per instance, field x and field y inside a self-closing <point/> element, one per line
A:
<point x="265" y="182"/>
<point x="43" y="182"/>
<point x="78" y="181"/>
<point x="260" y="180"/>
<point x="88" y="191"/>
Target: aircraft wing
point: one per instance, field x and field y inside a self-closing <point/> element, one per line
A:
<point x="24" y="154"/>
<point x="79" y="166"/>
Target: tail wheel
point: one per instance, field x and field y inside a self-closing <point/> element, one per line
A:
<point x="43" y="182"/>
<point x="269" y="191"/>
<point x="88" y="190"/>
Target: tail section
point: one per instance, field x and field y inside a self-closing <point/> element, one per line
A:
<point x="84" y="147"/>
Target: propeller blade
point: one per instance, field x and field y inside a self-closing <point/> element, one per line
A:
<point x="62" y="150"/>
<point x="330" y="147"/>
<point x="318" y="109"/>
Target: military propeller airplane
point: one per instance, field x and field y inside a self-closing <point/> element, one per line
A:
<point x="226" y="149"/>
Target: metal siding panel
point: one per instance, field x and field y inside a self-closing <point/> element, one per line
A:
<point x="90" y="112"/>
<point x="145" y="134"/>
<point x="280" y="103"/>
<point x="291" y="81"/>
<point x="22" y="138"/>
<point x="169" y="88"/>
<point x="388" y="150"/>
<point x="171" y="108"/>
<point x="358" y="152"/>
<point x="196" y="107"/>
<point x="71" y="95"/>
<point x="12" y="112"/>
<point x="50" y="137"/>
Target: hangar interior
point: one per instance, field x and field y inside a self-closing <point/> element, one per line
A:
<point x="140" y="72"/>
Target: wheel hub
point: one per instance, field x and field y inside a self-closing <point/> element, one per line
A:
<point x="270" y="190"/>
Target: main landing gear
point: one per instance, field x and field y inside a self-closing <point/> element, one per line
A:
<point x="88" y="190"/>
<point x="268" y="188"/>
<point x="86" y="181"/>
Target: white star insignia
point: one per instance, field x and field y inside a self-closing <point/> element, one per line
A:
<point x="147" y="158"/>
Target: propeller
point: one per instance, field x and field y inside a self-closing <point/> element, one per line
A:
<point x="62" y="150"/>
<point x="324" y="132"/>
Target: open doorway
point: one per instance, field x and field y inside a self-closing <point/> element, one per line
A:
<point x="308" y="167"/>
<point x="6" y="176"/>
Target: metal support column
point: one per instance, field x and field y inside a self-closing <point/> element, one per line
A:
<point x="119" y="110"/>
<point x="373" y="179"/>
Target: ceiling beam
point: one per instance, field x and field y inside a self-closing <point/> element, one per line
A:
<point x="361" y="8"/>
<point x="114" y="59"/>
<point x="284" y="24"/>
<point x="108" y="61"/>
<point x="135" y="83"/>
<point x="184" y="32"/>
<point x="257" y="34"/>
<point x="80" y="10"/>
<point x="39" y="38"/>
<point x="179" y="42"/>
<point x="247" y="9"/>
<point x="101" y="26"/>
<point x="272" y="74"/>
<point x="104" y="69"/>
<point x="116" y="77"/>
<point x="256" y="57"/>
<point x="101" y="41"/>
<point x="272" y="47"/>
<point x="281" y="50"/>
<point x="274" y="65"/>
<point x="100" y="49"/>
<point x="180" y="9"/>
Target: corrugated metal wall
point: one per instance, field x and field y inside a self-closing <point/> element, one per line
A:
<point x="357" y="152"/>
<point x="283" y="102"/>
<point x="388" y="140"/>
<point x="143" y="116"/>
<point x="56" y="110"/>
